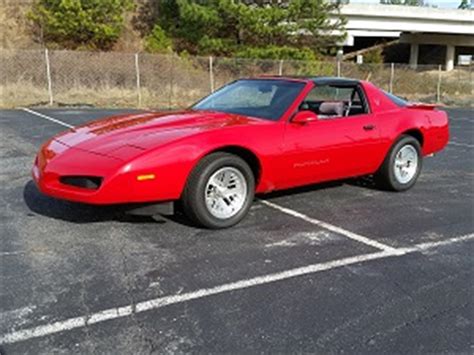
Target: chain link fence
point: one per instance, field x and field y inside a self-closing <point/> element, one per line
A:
<point x="111" y="79"/>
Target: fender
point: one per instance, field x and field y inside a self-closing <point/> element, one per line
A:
<point x="173" y="171"/>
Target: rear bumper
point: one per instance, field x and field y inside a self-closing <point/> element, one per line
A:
<point x="437" y="135"/>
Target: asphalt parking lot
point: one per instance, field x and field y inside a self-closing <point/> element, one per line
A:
<point x="331" y="268"/>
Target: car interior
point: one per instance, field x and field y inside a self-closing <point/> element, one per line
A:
<point x="330" y="101"/>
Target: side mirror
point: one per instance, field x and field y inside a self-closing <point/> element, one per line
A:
<point x="303" y="117"/>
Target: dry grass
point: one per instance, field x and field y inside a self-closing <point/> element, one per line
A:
<point x="27" y="94"/>
<point x="22" y="94"/>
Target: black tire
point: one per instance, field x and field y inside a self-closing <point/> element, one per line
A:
<point x="385" y="176"/>
<point x="193" y="198"/>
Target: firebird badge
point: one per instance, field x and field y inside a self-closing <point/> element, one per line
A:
<point x="311" y="163"/>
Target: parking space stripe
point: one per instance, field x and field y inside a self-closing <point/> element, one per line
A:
<point x="330" y="227"/>
<point x="457" y="144"/>
<point x="157" y="303"/>
<point x="431" y="245"/>
<point x="47" y="117"/>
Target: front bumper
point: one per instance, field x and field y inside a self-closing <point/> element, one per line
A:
<point x="118" y="185"/>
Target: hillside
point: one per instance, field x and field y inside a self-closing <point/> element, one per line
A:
<point x="15" y="31"/>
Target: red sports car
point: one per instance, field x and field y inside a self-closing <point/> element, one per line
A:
<point x="251" y="136"/>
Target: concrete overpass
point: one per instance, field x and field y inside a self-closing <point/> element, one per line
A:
<point x="413" y="25"/>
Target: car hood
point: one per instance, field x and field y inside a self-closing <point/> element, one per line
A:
<point x="121" y="136"/>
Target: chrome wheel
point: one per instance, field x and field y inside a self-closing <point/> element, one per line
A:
<point x="406" y="164"/>
<point x="225" y="193"/>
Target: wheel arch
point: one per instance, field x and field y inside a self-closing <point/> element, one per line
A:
<point x="412" y="132"/>
<point x="415" y="133"/>
<point x="246" y="154"/>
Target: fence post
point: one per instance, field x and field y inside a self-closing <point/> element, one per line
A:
<point x="338" y="66"/>
<point x="280" y="68"/>
<point x="137" y="73"/>
<point x="438" y="86"/>
<point x="171" y="82"/>
<point x="392" y="75"/>
<point x="211" y="73"/>
<point x="48" y="76"/>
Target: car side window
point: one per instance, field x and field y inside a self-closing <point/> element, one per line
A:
<point x="328" y="101"/>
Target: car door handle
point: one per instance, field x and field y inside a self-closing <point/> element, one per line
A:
<point x="369" y="127"/>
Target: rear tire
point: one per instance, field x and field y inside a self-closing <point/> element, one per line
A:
<point x="401" y="166"/>
<point x="219" y="191"/>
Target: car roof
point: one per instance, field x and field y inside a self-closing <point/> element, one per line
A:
<point x="318" y="80"/>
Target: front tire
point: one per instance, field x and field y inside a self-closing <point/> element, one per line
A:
<point x="219" y="191"/>
<point x="402" y="165"/>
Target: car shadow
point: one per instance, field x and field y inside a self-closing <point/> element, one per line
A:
<point x="301" y="190"/>
<point x="77" y="212"/>
<point x="366" y="182"/>
<point x="179" y="218"/>
<point x="82" y="213"/>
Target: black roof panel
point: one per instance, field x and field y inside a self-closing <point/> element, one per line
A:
<point x="332" y="80"/>
<point x="318" y="80"/>
<point x="322" y="80"/>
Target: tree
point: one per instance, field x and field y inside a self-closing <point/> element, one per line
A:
<point x="464" y="5"/>
<point x="95" y="24"/>
<point x="157" y="41"/>
<point x="225" y="27"/>
<point x="374" y="56"/>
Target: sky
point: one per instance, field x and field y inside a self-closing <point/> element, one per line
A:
<point x="438" y="3"/>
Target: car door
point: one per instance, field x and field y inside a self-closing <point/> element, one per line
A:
<point x="333" y="146"/>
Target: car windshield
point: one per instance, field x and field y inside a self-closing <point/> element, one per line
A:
<point x="261" y="98"/>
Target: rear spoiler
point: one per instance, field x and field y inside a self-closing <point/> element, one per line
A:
<point x="422" y="106"/>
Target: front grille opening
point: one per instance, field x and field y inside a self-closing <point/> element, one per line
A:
<point x="85" y="182"/>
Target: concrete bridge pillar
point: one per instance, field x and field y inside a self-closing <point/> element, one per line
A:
<point x="449" y="65"/>
<point x="448" y="40"/>
<point x="414" y="50"/>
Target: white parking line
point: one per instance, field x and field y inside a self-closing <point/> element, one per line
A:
<point x="457" y="144"/>
<point x="330" y="227"/>
<point x="47" y="117"/>
<point x="157" y="303"/>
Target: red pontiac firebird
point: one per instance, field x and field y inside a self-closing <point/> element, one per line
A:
<point x="251" y="136"/>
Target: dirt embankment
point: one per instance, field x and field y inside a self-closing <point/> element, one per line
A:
<point x="16" y="31"/>
<point x="14" y="26"/>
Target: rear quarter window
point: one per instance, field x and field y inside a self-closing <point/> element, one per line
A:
<point x="396" y="100"/>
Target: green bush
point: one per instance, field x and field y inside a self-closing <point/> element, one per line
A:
<point x="157" y="41"/>
<point x="274" y="52"/>
<point x="374" y="56"/>
<point x="309" y="68"/>
<point x="216" y="46"/>
<point x="95" y="24"/>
